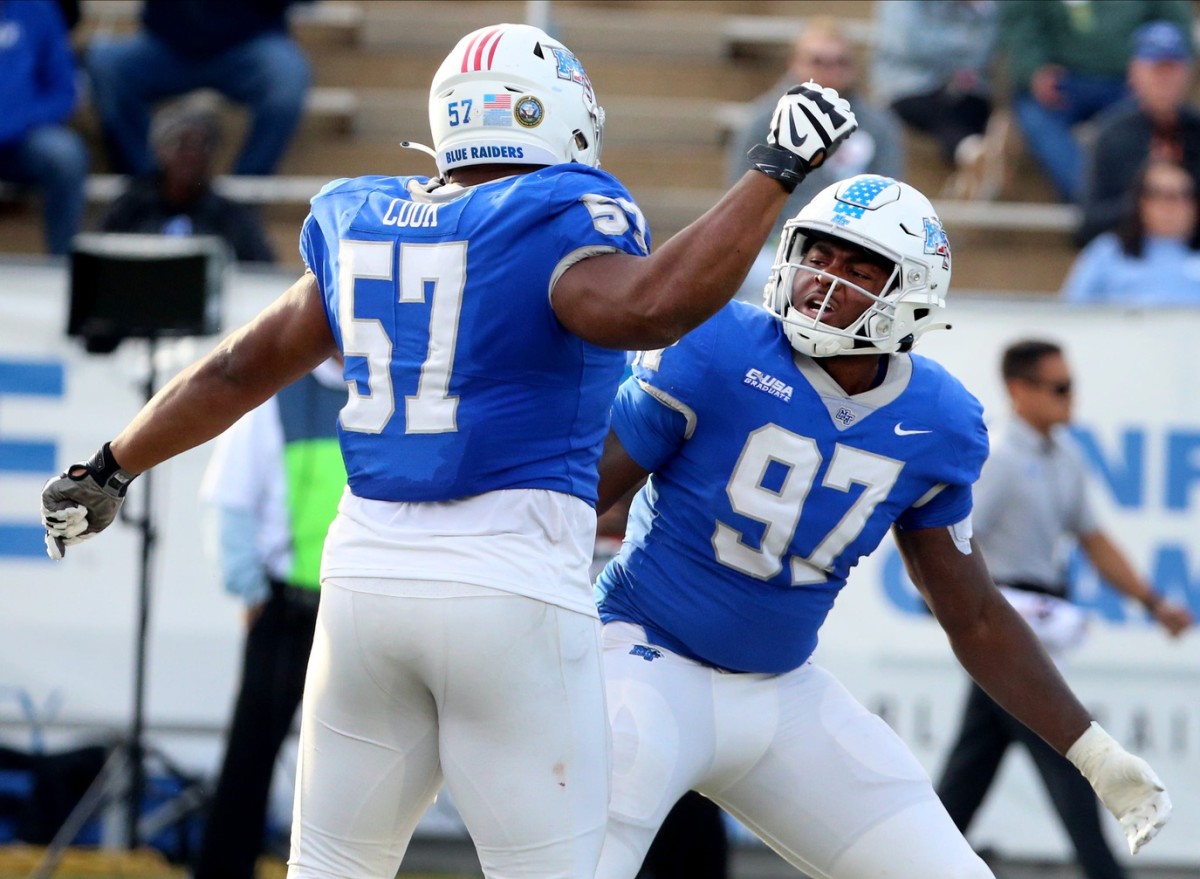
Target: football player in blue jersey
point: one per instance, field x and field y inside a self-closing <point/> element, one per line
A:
<point x="483" y="316"/>
<point x="781" y="444"/>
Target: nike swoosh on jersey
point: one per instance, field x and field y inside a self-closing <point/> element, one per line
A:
<point x="900" y="431"/>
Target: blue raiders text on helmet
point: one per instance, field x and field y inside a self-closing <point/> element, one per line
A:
<point x="511" y="94"/>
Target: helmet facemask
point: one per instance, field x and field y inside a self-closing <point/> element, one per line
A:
<point x="889" y="221"/>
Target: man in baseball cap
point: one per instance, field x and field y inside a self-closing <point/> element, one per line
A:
<point x="1158" y="41"/>
<point x="1159" y="122"/>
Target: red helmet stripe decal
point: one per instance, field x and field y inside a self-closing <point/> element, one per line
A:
<point x="478" y="65"/>
<point x="492" y="53"/>
<point x="467" y="55"/>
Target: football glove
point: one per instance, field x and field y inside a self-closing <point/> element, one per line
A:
<point x="83" y="501"/>
<point x="809" y="123"/>
<point x="1126" y="785"/>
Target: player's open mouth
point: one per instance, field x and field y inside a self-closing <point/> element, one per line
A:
<point x="817" y="305"/>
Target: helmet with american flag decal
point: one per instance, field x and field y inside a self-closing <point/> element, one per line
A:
<point x="512" y="94"/>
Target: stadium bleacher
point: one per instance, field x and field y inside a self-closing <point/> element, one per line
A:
<point x="674" y="77"/>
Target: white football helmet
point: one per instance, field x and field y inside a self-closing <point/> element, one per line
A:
<point x="511" y="94"/>
<point x="889" y="218"/>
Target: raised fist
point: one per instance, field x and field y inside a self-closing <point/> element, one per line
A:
<point x="809" y="123"/>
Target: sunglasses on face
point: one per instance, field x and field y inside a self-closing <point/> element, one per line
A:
<point x="1058" y="389"/>
<point x="1164" y="194"/>
<point x="829" y="60"/>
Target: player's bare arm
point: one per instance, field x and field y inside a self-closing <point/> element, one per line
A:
<point x="285" y="341"/>
<point x="624" y="301"/>
<point x="288" y="339"/>
<point x="990" y="639"/>
<point x="998" y="650"/>
<point x="619" y="473"/>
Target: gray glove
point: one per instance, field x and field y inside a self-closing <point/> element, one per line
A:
<point x="809" y="124"/>
<point x="83" y="501"/>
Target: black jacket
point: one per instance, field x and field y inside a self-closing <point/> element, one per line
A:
<point x="143" y="209"/>
<point x="1121" y="147"/>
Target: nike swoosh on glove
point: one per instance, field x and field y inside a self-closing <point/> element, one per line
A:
<point x="83" y="501"/>
<point x="1125" y="783"/>
<point x="809" y="123"/>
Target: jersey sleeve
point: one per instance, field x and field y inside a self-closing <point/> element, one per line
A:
<point x="950" y="505"/>
<point x="313" y="249"/>
<point x="593" y="213"/>
<point x="319" y="236"/>
<point x="966" y="450"/>
<point x="658" y="407"/>
<point x="314" y="246"/>
<point x="994" y="490"/>
<point x="649" y="429"/>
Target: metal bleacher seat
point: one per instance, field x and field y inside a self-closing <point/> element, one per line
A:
<point x="675" y="82"/>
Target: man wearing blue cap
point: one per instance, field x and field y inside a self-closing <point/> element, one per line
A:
<point x="1158" y="122"/>
<point x="1067" y="64"/>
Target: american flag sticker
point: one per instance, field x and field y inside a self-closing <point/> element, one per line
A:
<point x="497" y="102"/>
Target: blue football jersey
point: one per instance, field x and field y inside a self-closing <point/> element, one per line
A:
<point x="461" y="378"/>
<point x="768" y="484"/>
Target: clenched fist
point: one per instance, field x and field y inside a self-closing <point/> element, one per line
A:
<point x="809" y="123"/>
<point x="82" y="501"/>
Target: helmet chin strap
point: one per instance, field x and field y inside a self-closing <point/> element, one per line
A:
<point x="817" y="344"/>
<point x="419" y="147"/>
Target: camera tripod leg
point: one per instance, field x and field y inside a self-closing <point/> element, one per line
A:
<point x="108" y="786"/>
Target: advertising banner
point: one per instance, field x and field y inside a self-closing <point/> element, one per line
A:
<point x="67" y="630"/>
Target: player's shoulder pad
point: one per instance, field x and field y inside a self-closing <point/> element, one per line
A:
<point x="564" y="192"/>
<point x="682" y="368"/>
<point x="960" y="414"/>
<point x="358" y="187"/>
<point x="572" y="179"/>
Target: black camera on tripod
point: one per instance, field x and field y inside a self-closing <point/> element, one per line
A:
<point x="144" y="287"/>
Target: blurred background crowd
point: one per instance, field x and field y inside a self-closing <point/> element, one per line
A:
<point x="223" y="117"/>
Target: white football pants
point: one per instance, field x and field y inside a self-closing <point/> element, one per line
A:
<point x="794" y="757"/>
<point x="499" y="695"/>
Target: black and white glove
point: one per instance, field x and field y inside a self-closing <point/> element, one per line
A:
<point x="1126" y="785"/>
<point x="83" y="501"/>
<point x="809" y="123"/>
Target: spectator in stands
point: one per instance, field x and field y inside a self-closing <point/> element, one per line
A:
<point x="931" y="66"/>
<point x="177" y="197"/>
<point x="1158" y="122"/>
<point x="38" y="97"/>
<point x="822" y="52"/>
<point x="240" y="48"/>
<point x="1153" y="257"/>
<point x="1067" y="63"/>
